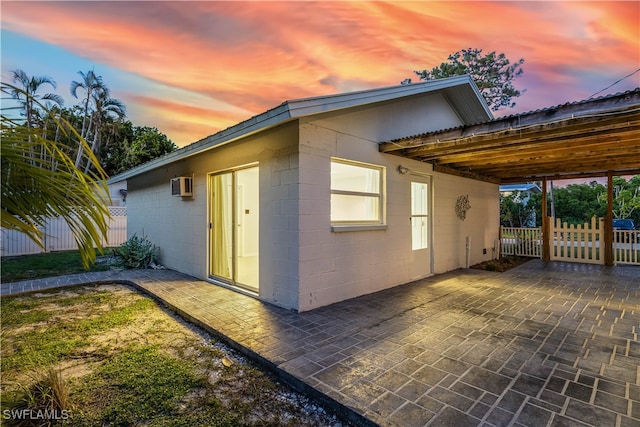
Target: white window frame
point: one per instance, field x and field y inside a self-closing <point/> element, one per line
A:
<point x="362" y="225"/>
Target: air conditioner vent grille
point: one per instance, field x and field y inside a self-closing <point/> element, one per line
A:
<point x="182" y="186"/>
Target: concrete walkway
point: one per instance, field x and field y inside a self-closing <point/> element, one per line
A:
<point x="552" y="344"/>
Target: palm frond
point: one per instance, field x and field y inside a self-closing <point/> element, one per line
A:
<point x="36" y="187"/>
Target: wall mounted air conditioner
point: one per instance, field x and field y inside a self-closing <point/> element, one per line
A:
<point x="182" y="186"/>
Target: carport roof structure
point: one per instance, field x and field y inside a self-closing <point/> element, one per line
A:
<point x="591" y="138"/>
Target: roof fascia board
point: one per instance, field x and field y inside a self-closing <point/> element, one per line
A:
<point x="470" y="107"/>
<point x="320" y="104"/>
<point x="273" y="117"/>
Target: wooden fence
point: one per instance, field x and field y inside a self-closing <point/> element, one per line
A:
<point x="626" y="246"/>
<point x="573" y="243"/>
<point x="521" y="241"/>
<point x="577" y="243"/>
<point x="58" y="237"/>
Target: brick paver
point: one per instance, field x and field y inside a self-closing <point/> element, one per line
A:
<point x="552" y="344"/>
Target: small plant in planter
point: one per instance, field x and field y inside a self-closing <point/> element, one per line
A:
<point x="137" y="252"/>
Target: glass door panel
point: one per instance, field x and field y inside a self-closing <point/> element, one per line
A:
<point x="234" y="227"/>
<point x="247" y="214"/>
<point x="222" y="226"/>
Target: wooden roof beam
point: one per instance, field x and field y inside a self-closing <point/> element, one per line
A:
<point x="627" y="152"/>
<point x="529" y="178"/>
<point x="515" y="138"/>
<point x="519" y="123"/>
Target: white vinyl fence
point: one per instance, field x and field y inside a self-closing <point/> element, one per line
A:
<point x="58" y="237"/>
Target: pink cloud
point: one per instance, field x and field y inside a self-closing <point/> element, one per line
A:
<point x="255" y="55"/>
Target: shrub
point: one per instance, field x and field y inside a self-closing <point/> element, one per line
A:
<point x="137" y="252"/>
<point x="47" y="397"/>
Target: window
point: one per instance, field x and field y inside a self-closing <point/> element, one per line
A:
<point x="357" y="194"/>
<point x="419" y="215"/>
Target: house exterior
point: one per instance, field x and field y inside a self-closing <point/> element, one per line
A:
<point x="299" y="208"/>
<point x="524" y="192"/>
<point x="529" y="188"/>
<point x="118" y="193"/>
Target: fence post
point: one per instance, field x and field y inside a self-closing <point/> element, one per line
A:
<point x="546" y="238"/>
<point x="608" y="225"/>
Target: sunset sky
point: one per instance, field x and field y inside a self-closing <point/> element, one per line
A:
<point x="193" y="68"/>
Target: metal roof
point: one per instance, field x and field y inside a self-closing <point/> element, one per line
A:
<point x="521" y="187"/>
<point x="588" y="138"/>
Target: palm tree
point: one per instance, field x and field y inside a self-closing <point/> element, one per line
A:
<point x="35" y="188"/>
<point x="105" y="106"/>
<point x="26" y="93"/>
<point x="90" y="83"/>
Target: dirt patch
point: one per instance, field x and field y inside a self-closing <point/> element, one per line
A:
<point x="113" y="320"/>
<point x="503" y="264"/>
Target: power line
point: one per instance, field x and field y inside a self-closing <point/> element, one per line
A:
<point x="613" y="84"/>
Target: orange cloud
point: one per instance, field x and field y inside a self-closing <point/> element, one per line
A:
<point x="255" y="55"/>
<point x="176" y="118"/>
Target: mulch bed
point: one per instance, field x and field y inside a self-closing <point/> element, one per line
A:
<point x="503" y="264"/>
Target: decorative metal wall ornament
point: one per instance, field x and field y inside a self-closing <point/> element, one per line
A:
<point x="462" y="206"/>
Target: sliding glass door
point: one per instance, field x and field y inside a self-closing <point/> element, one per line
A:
<point x="234" y="227"/>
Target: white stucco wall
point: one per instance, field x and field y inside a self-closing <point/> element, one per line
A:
<point x="335" y="266"/>
<point x="180" y="226"/>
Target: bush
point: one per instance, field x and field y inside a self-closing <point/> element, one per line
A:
<point x="47" y="398"/>
<point x="137" y="252"/>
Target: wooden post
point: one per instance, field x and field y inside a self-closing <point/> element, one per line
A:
<point x="608" y="223"/>
<point x="546" y="250"/>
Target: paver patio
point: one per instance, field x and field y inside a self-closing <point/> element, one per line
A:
<point x="545" y="344"/>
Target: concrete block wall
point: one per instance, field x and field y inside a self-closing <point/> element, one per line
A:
<point x="303" y="263"/>
<point x="482" y="222"/>
<point x="279" y="273"/>
<point x="335" y="266"/>
<point x="180" y="227"/>
<point x="152" y="211"/>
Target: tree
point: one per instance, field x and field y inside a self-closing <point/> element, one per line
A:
<point x="105" y="107"/>
<point x="577" y="203"/>
<point x="148" y="143"/>
<point x="90" y="83"/>
<point x="29" y="101"/>
<point x="626" y="198"/>
<point x="26" y="93"/>
<point x="36" y="187"/>
<point x="115" y="139"/>
<point x="518" y="209"/>
<point x="493" y="74"/>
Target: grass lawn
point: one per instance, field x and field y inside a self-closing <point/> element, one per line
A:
<point x="97" y="355"/>
<point x="26" y="267"/>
